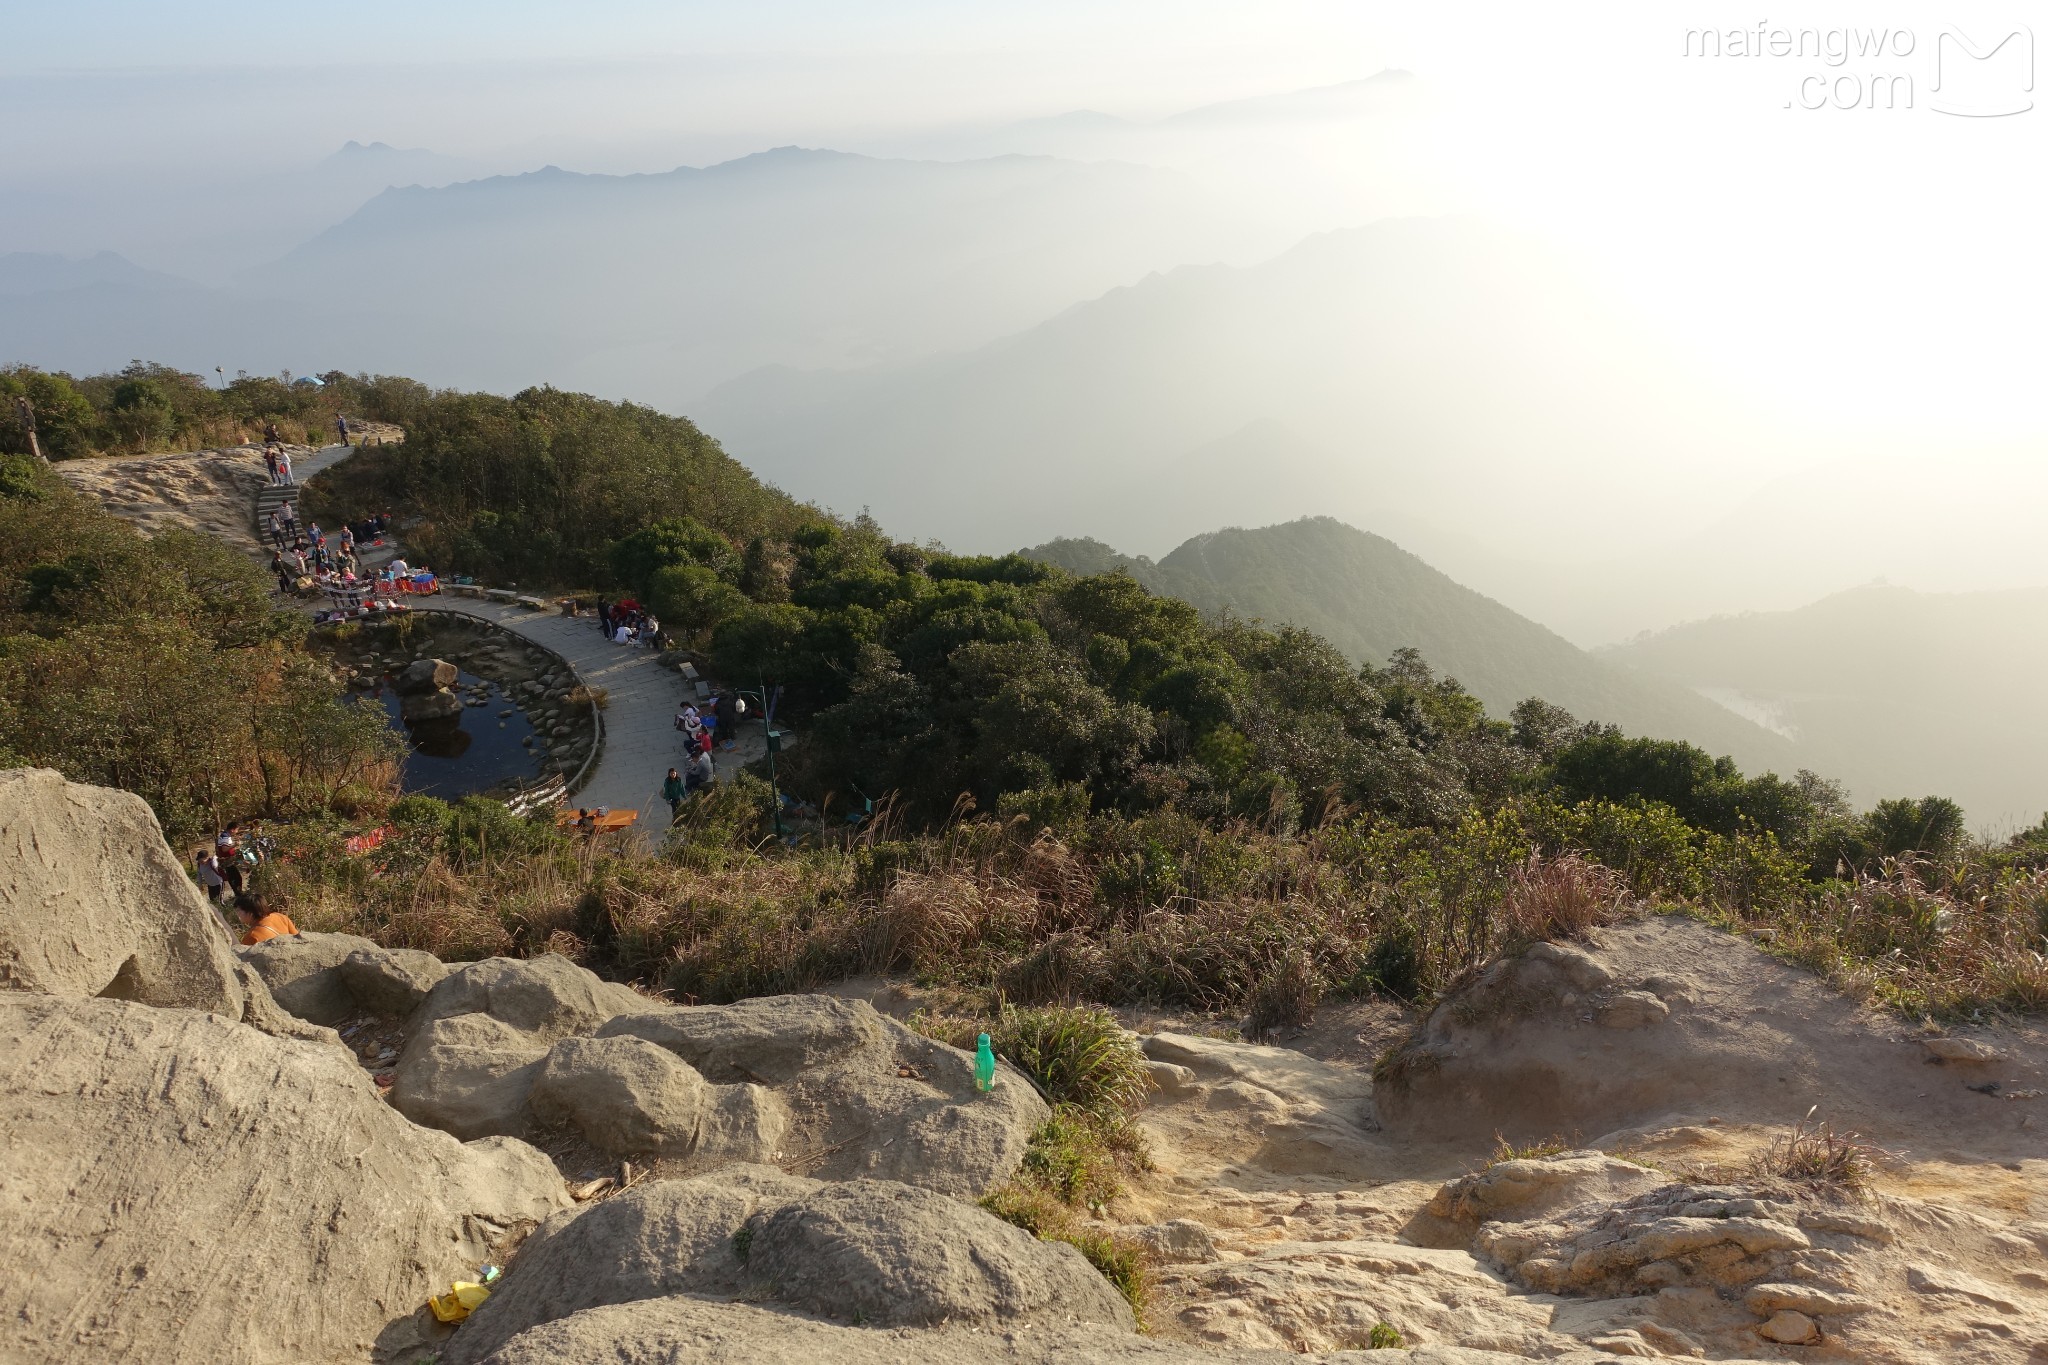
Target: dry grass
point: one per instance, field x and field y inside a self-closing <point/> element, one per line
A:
<point x="1920" y="937"/>
<point x="1815" y="1157"/>
<point x="1503" y="1150"/>
<point x="1561" y="898"/>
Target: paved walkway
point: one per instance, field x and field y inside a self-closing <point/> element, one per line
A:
<point x="641" y="742"/>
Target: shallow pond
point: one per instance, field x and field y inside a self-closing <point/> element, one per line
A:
<point x="473" y="752"/>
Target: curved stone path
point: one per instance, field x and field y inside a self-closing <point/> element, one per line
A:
<point x="640" y="739"/>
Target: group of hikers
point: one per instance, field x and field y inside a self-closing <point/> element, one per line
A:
<point x="700" y="736"/>
<point x="223" y="871"/>
<point x="628" y="623"/>
<point x="303" y="551"/>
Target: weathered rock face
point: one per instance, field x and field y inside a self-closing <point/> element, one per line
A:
<point x="829" y="1085"/>
<point x="687" y="1331"/>
<point x="1523" y="1189"/>
<point x="1721" y="1270"/>
<point x="548" y="997"/>
<point x="656" y="1239"/>
<point x="870" y="1097"/>
<point x="300" y="972"/>
<point x="866" y="1251"/>
<point x="469" y="1074"/>
<point x="425" y="676"/>
<point x="180" y="1188"/>
<point x="92" y="903"/>
<point x="628" y="1095"/>
<point x="391" y="981"/>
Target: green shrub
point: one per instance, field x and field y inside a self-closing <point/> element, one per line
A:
<point x="1080" y="1057"/>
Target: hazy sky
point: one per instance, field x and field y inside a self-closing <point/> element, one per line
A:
<point x="1875" y="271"/>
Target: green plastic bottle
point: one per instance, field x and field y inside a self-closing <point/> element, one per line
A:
<point x="984" y="1064"/>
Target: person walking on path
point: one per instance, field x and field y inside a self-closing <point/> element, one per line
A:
<point x="673" y="791"/>
<point x="270" y="463"/>
<point x="284" y="465"/>
<point x="276" y="526"/>
<point x="210" y="880"/>
<point x="341" y="425"/>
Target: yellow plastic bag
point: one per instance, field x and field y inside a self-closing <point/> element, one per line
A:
<point x="459" y="1302"/>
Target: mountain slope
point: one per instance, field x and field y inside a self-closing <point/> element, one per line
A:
<point x="1369" y="597"/>
<point x="1905" y="691"/>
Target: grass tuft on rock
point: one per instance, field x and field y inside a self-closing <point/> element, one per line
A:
<point x="1818" y="1158"/>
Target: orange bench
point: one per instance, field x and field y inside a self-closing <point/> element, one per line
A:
<point x="601" y="824"/>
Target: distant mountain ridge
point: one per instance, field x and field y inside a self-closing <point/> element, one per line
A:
<point x="1369" y="598"/>
<point x="1910" y="693"/>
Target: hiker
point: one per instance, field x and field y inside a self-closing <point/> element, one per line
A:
<point x="291" y="518"/>
<point x="650" y="628"/>
<point x="276" y="527"/>
<point x="284" y="466"/>
<point x="261" y="922"/>
<point x="270" y="463"/>
<point x="673" y="790"/>
<point x="341" y="425"/>
<point x="270" y="436"/>
<point x="604" y="618"/>
<point x="210" y="880"/>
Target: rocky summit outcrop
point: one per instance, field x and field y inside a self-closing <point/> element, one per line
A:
<point x="92" y="902"/>
<point x="178" y="1187"/>
<point x="874" y="1253"/>
<point x="681" y="1330"/>
<point x="826" y="1086"/>
<point x="1687" y="1269"/>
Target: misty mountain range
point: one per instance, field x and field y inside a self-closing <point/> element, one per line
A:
<point x="1892" y="691"/>
<point x="1369" y="597"/>
<point x="1068" y="331"/>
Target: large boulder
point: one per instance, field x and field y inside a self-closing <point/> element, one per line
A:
<point x="92" y="902"/>
<point x="180" y="1188"/>
<point x="866" y="1251"/>
<point x="659" y="1238"/>
<point x="770" y="1040"/>
<point x="879" y="1252"/>
<point x="469" y="1075"/>
<point x="868" y="1097"/>
<point x="302" y="972"/>
<point x="423" y="676"/>
<point x="629" y="1096"/>
<point x="391" y="981"/>
<point x="548" y="997"/>
<point x="831" y="1086"/>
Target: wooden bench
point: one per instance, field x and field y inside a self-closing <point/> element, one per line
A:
<point x="608" y="823"/>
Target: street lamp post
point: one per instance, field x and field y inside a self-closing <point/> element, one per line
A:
<point x="773" y="738"/>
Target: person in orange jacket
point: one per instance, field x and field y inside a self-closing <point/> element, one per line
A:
<point x="260" y="920"/>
